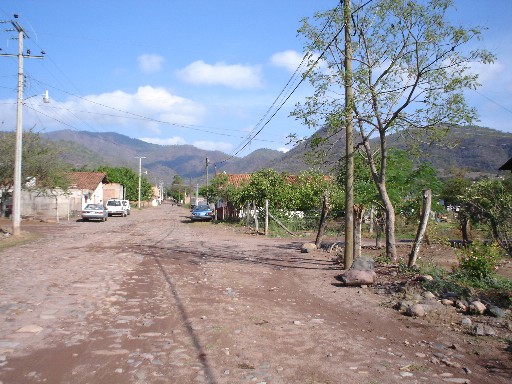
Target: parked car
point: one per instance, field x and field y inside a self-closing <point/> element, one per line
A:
<point x="116" y="207"/>
<point x="127" y="206"/>
<point x="94" y="212"/>
<point x="202" y="212"/>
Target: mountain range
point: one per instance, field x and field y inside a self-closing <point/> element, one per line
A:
<point x="473" y="149"/>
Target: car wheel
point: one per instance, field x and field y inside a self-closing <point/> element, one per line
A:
<point x="103" y="219"/>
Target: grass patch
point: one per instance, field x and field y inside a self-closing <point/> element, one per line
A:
<point x="13" y="241"/>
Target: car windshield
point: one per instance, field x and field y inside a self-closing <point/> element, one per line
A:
<point x="93" y="206"/>
<point x="202" y="208"/>
<point x="115" y="203"/>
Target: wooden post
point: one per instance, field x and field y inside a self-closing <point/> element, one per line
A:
<point x="281" y="224"/>
<point x="266" y="217"/>
<point x="256" y="221"/>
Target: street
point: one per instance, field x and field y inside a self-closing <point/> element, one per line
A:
<point x="154" y="298"/>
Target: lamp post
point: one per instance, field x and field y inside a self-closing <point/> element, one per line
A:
<point x="140" y="175"/>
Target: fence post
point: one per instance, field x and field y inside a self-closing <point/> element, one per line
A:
<point x="266" y="217"/>
<point x="256" y="222"/>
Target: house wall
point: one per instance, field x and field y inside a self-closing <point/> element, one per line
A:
<point x="60" y="206"/>
<point x="113" y="191"/>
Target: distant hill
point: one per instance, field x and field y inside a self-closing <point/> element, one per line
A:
<point x="474" y="149"/>
<point x="88" y="150"/>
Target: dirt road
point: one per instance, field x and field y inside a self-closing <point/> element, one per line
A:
<point x="153" y="298"/>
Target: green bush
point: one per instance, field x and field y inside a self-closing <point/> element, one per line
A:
<point x="478" y="262"/>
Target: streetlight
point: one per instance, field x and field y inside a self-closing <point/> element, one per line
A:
<point x="140" y="175"/>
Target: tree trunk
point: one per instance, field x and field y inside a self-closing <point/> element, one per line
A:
<point x="390" y="222"/>
<point x="372" y="215"/>
<point x="464" y="230"/>
<point x="323" y="220"/>
<point x="427" y="202"/>
<point x="358" y="223"/>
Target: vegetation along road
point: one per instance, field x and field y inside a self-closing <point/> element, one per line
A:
<point x="154" y="298"/>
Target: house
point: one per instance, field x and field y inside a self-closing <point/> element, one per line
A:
<point x="87" y="187"/>
<point x="84" y="188"/>
<point x="507" y="166"/>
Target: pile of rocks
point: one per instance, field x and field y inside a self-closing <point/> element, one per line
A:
<point x="420" y="305"/>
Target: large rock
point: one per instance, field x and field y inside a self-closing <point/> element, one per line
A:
<point x="477" y="307"/>
<point x="308" y="247"/>
<point x="363" y="264"/>
<point x="496" y="311"/>
<point x="417" y="310"/>
<point x="356" y="277"/>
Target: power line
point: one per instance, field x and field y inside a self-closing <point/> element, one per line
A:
<point x="251" y="137"/>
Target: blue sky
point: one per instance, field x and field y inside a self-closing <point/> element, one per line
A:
<point x="197" y="72"/>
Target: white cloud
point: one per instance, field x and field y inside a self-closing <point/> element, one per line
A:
<point x="487" y="73"/>
<point x="234" y="76"/>
<point x="176" y="140"/>
<point x="150" y="63"/>
<point x="213" y="145"/>
<point x="148" y="108"/>
<point x="283" y="149"/>
<point x="287" y="59"/>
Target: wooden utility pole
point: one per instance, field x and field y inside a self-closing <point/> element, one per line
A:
<point x="349" y="147"/>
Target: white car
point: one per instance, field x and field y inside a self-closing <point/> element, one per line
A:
<point x="127" y="206"/>
<point x="115" y="207"/>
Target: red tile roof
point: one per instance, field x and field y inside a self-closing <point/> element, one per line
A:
<point x="237" y="180"/>
<point x="86" y="180"/>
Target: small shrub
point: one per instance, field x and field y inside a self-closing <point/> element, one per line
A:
<point x="443" y="284"/>
<point x="478" y="262"/>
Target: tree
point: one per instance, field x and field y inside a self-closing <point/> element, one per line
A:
<point x="452" y="193"/>
<point x="411" y="67"/>
<point x="40" y="162"/>
<point x="489" y="201"/>
<point x="404" y="180"/>
<point x="130" y="180"/>
<point x="177" y="187"/>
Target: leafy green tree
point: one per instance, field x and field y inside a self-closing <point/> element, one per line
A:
<point x="41" y="161"/>
<point x="454" y="190"/>
<point x="308" y="188"/>
<point x="410" y="71"/>
<point x="177" y="188"/>
<point x="268" y="184"/>
<point x="489" y="201"/>
<point x="405" y="181"/>
<point x="130" y="180"/>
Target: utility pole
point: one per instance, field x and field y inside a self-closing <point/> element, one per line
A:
<point x="140" y="175"/>
<point x="207" y="163"/>
<point x="349" y="147"/>
<point x="16" y="198"/>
